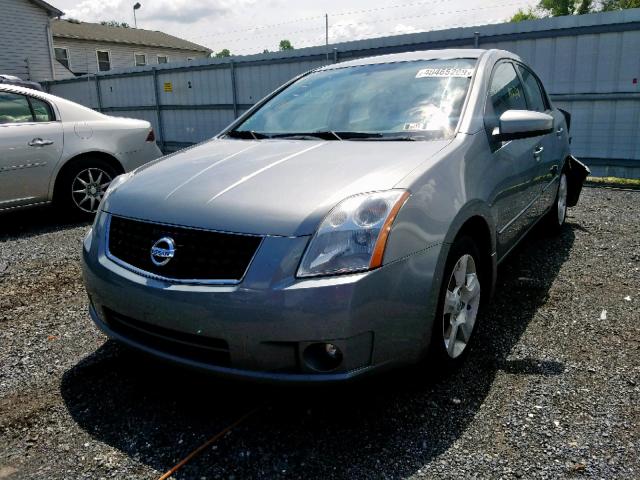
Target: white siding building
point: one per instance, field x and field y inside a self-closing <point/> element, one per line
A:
<point x="25" y="37"/>
<point x="82" y="48"/>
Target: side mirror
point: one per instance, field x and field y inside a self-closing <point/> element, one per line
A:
<point x="516" y="124"/>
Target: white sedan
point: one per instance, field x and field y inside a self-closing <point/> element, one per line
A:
<point x="54" y="150"/>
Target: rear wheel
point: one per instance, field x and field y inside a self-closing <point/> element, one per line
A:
<point x="83" y="185"/>
<point x="458" y="305"/>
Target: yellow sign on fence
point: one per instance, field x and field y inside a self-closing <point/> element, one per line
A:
<point x="168" y="87"/>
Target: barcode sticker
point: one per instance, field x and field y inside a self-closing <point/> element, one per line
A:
<point x="445" y="72"/>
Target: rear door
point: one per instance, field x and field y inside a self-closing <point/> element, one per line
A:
<point x="547" y="154"/>
<point x="31" y="142"/>
<point x="513" y="161"/>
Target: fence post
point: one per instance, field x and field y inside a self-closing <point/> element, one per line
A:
<point x="156" y="98"/>
<point x="98" y="93"/>
<point x="234" y="91"/>
<point x="476" y="39"/>
<point x="335" y="55"/>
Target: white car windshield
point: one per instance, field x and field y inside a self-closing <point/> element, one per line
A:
<point x="417" y="100"/>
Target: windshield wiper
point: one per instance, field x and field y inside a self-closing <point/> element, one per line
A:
<point x="324" y="135"/>
<point x="250" y="134"/>
<point x="389" y="138"/>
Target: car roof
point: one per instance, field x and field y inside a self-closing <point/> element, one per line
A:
<point x="444" y="54"/>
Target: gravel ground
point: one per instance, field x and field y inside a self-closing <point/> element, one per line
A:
<point x="551" y="389"/>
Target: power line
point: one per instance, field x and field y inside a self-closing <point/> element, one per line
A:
<point x="318" y="42"/>
<point x="383" y="20"/>
<point x="316" y="17"/>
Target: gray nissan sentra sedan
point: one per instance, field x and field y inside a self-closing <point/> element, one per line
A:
<point x="351" y="221"/>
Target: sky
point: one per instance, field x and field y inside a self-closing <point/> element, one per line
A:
<point x="250" y="26"/>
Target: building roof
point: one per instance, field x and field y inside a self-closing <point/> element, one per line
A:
<point x="51" y="10"/>
<point x="133" y="36"/>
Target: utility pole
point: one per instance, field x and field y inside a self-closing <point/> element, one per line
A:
<point x="326" y="34"/>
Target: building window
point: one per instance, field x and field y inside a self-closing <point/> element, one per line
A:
<point x="104" y="60"/>
<point x="140" y="59"/>
<point x="162" y="59"/>
<point x="62" y="55"/>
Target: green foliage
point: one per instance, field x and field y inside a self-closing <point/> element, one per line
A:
<point x="114" y="23"/>
<point x="223" y="53"/>
<point x="612" y="5"/>
<point x="558" y="8"/>
<point x="285" y="45"/>
<point x="521" y="16"/>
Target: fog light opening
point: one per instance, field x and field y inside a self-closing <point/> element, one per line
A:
<point x="322" y="357"/>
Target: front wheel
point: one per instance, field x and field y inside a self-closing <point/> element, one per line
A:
<point x="555" y="218"/>
<point x="458" y="305"/>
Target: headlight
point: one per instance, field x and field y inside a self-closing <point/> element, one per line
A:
<point x="352" y="237"/>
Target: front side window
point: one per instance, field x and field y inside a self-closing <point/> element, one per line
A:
<point x="417" y="99"/>
<point x="141" y="59"/>
<point x="14" y="108"/>
<point x="104" y="60"/>
<point x="532" y="89"/>
<point x="162" y="59"/>
<point x="506" y="91"/>
<point x="41" y="110"/>
<point x="62" y="56"/>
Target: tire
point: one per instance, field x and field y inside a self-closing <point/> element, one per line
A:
<point x="82" y="185"/>
<point x="458" y="305"/>
<point x="554" y="219"/>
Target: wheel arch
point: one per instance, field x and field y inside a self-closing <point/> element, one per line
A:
<point x="79" y="158"/>
<point x="476" y="222"/>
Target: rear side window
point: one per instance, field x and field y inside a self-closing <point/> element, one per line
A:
<point x="532" y="89"/>
<point x="41" y="110"/>
<point x="14" y="108"/>
<point x="506" y="92"/>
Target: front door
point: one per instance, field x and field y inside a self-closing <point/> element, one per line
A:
<point x="515" y="162"/>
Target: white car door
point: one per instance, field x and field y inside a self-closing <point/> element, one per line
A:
<point x="31" y="141"/>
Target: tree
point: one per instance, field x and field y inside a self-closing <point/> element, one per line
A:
<point x="266" y="50"/>
<point x="285" y="45"/>
<point x="558" y="8"/>
<point x="223" y="53"/>
<point x="611" y="5"/>
<point x="114" y="23"/>
<point x="521" y="15"/>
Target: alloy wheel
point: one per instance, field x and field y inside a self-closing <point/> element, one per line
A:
<point x="461" y="303"/>
<point x="562" y="199"/>
<point x="88" y="188"/>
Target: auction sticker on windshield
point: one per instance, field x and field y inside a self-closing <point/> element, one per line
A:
<point x="445" y="72"/>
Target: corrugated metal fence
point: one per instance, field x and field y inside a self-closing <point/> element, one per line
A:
<point x="590" y="65"/>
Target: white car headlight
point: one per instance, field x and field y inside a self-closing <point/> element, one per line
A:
<point x="352" y="237"/>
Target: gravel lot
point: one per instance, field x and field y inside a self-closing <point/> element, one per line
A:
<point x="552" y="388"/>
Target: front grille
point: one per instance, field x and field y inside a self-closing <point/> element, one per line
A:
<point x="213" y="351"/>
<point x="199" y="254"/>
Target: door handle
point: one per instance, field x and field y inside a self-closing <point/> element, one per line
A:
<point x="537" y="152"/>
<point x="39" y="142"/>
<point x="559" y="131"/>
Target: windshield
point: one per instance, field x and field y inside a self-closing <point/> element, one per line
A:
<point x="417" y="100"/>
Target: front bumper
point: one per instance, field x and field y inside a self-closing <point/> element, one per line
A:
<point x="260" y="328"/>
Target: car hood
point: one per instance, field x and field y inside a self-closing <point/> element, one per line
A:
<point x="266" y="187"/>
